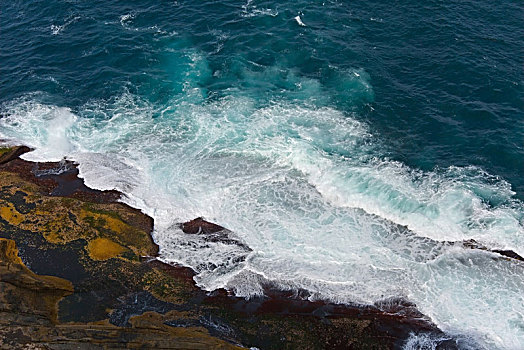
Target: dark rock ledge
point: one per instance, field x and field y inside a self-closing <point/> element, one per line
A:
<point x="77" y="270"/>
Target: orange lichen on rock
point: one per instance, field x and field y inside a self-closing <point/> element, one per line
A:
<point x="9" y="214"/>
<point x="103" y="249"/>
<point x="9" y="252"/>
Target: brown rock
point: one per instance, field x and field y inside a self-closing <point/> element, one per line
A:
<point x="28" y="317"/>
<point x="13" y="153"/>
<point x="24" y="294"/>
<point x="123" y="298"/>
<point x="199" y="225"/>
<point x="509" y="254"/>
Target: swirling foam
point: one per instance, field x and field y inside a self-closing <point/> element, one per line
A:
<point x="307" y="189"/>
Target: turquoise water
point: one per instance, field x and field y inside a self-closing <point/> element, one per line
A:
<point x="314" y="143"/>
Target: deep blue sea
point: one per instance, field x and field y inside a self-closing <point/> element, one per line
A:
<point x="343" y="141"/>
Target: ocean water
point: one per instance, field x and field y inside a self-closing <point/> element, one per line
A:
<point x="344" y="146"/>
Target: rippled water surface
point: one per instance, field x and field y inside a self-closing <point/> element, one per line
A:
<point x="346" y="146"/>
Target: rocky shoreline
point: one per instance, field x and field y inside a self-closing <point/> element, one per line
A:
<point x="78" y="269"/>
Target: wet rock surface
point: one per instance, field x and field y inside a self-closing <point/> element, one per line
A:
<point x="472" y="244"/>
<point x="425" y="249"/>
<point x="212" y="232"/>
<point x="78" y="270"/>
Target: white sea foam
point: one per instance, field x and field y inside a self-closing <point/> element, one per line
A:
<point x="422" y="341"/>
<point x="298" y="19"/>
<point x="57" y="29"/>
<point x="250" y="10"/>
<point x="309" y="191"/>
<point x="47" y="130"/>
<point x="125" y="19"/>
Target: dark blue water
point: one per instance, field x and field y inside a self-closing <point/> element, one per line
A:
<point x="412" y="112"/>
<point x="447" y="77"/>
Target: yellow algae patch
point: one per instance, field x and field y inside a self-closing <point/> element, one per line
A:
<point x="103" y="249"/>
<point x="9" y="252"/>
<point x="113" y="227"/>
<point x="9" y="214"/>
<point x="52" y="237"/>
